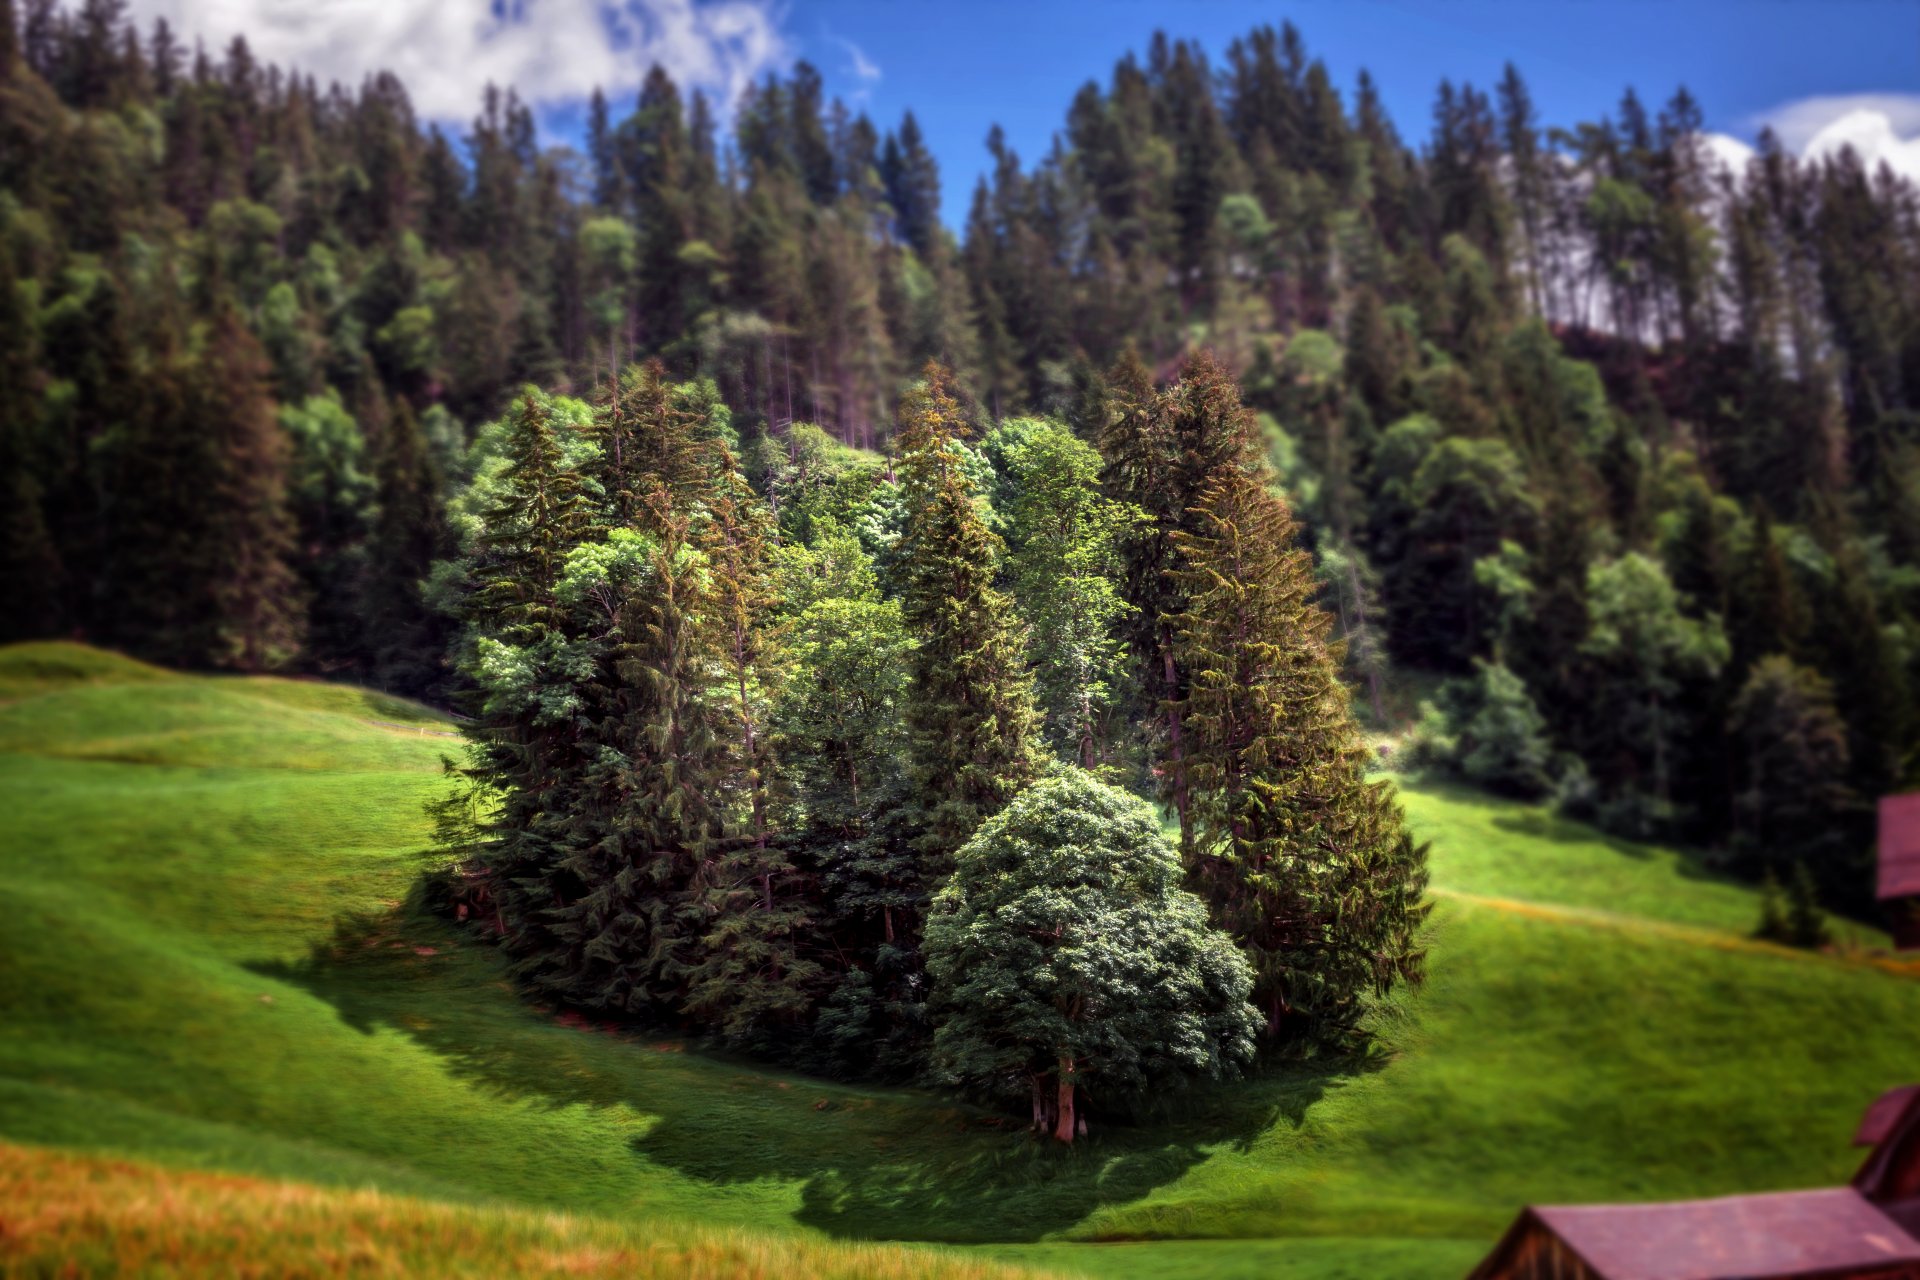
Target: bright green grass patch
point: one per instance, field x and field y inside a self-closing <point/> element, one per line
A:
<point x="206" y="961"/>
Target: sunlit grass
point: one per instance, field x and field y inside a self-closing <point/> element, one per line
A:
<point x="66" y="1214"/>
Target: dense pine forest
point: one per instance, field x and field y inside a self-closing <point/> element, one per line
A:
<point x="808" y="571"/>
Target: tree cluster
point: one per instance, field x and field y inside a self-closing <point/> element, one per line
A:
<point x="809" y="764"/>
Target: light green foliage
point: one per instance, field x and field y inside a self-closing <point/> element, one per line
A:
<point x="408" y="344"/>
<point x="1499" y="738"/>
<point x="840" y="719"/>
<point x="1502" y="579"/>
<point x="1065" y="956"/>
<point x="1065" y="566"/>
<point x="610" y="248"/>
<point x="330" y="478"/>
<point x="1648" y="658"/>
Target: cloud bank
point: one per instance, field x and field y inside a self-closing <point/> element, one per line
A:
<point x="1882" y="128"/>
<point x="554" y="52"/>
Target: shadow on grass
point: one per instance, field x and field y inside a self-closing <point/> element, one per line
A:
<point x="1536" y="821"/>
<point x="1688" y="862"/>
<point x="872" y="1163"/>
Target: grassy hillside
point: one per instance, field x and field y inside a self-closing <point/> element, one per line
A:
<point x="207" y="963"/>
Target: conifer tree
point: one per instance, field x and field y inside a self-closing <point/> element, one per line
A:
<point x="1161" y="452"/>
<point x="970" y="712"/>
<point x="529" y="714"/>
<point x="409" y="534"/>
<point x="753" y="967"/>
<point x="255" y="613"/>
<point x="1306" y="862"/>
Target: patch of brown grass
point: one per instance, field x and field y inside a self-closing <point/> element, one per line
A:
<point x="66" y="1215"/>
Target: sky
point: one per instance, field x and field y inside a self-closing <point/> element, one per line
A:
<point x="1821" y="72"/>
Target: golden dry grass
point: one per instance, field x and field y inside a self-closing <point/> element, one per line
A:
<point x="66" y="1215"/>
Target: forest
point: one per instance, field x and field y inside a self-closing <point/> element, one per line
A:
<point x="854" y="617"/>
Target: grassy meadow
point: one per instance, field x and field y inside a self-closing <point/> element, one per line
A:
<point x="208" y="963"/>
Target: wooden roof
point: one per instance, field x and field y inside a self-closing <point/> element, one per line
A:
<point x="1890" y="1177"/>
<point x="1899" y="846"/>
<point x="1883" y="1114"/>
<point x="1793" y="1235"/>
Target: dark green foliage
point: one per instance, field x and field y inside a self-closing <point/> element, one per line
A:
<point x="1066" y="959"/>
<point x="1790" y="756"/>
<point x="1650" y="669"/>
<point x="409" y="534"/>
<point x="971" y="719"/>
<point x="1306" y="862"/>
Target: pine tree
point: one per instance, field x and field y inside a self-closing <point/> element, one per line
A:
<point x="1161" y="452"/>
<point x="754" y="966"/>
<point x="529" y="713"/>
<point x="255" y="614"/>
<point x="648" y="829"/>
<point x="409" y="534"/>
<point x="1305" y="862"/>
<point x="970" y="711"/>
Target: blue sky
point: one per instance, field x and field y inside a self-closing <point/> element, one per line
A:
<point x="964" y="66"/>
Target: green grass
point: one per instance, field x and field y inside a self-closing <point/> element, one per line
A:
<point x="206" y="961"/>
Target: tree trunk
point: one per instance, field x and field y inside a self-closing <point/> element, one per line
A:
<point x="1063" y="1122"/>
<point x="1176" y="754"/>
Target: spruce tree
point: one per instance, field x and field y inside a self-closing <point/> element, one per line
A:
<point x="409" y="534"/>
<point x="255" y="616"/>
<point x="971" y="717"/>
<point x="1306" y="862"/>
<point x="529" y="717"/>
<point x="1161" y="452"/>
<point x="754" y="966"/>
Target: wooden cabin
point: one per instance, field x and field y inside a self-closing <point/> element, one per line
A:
<point x="1835" y="1234"/>
<point x="1898" y="885"/>
<point x="1867" y="1231"/>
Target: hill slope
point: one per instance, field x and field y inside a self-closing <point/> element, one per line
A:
<point x="207" y="963"/>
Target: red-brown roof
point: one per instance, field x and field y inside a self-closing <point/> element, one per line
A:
<point x="1899" y="846"/>
<point x="1793" y="1235"/>
<point x="1885" y="1112"/>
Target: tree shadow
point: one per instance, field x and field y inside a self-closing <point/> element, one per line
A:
<point x="872" y="1163"/>
<point x="1689" y="862"/>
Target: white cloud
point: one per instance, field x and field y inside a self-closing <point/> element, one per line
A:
<point x="446" y="51"/>
<point x="1797" y="123"/>
<point x="1882" y="128"/>
<point x="1873" y="138"/>
<point x="859" y="65"/>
